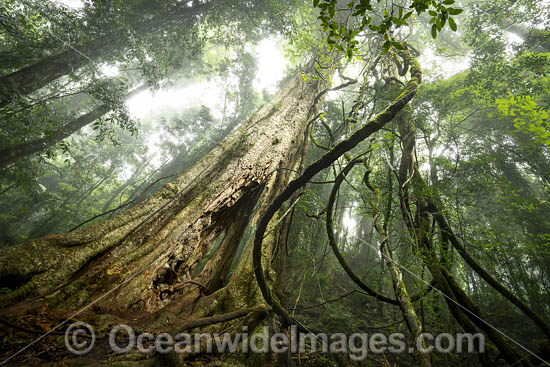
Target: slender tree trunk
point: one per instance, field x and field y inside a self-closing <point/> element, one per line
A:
<point x="40" y="74"/>
<point x="121" y="188"/>
<point x="148" y="255"/>
<point x="401" y="294"/>
<point x="20" y="151"/>
<point x="43" y="229"/>
<point x="460" y="305"/>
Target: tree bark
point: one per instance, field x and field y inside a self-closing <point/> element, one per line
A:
<point x="460" y="305"/>
<point x="179" y="164"/>
<point x="402" y="296"/>
<point x="147" y="257"/>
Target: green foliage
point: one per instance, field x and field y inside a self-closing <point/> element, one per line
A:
<point x="529" y="118"/>
<point x="304" y="39"/>
<point x="110" y="163"/>
<point x="342" y="36"/>
<point x="482" y="139"/>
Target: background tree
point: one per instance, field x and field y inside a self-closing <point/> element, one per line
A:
<point x="356" y="199"/>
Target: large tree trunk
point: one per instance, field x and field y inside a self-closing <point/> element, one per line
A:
<point x="178" y="164"/>
<point x="148" y="257"/>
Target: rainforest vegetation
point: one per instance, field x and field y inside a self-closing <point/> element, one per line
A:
<point x="358" y="167"/>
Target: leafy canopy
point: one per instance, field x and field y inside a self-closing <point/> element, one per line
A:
<point x="344" y="24"/>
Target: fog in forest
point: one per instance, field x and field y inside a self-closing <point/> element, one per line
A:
<point x="275" y="183"/>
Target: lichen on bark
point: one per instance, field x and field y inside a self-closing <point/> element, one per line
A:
<point x="144" y="260"/>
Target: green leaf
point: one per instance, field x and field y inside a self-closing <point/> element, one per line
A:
<point x="434" y="31"/>
<point x="455" y="11"/>
<point x="386" y="46"/>
<point x="452" y="24"/>
<point x="398" y="45"/>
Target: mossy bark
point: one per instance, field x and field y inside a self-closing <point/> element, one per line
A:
<point x="461" y="306"/>
<point x="147" y="257"/>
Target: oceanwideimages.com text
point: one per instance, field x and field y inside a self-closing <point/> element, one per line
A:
<point x="80" y="339"/>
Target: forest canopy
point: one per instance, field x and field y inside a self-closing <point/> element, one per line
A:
<point x="371" y="172"/>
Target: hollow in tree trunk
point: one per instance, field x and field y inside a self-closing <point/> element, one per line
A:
<point x="166" y="264"/>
